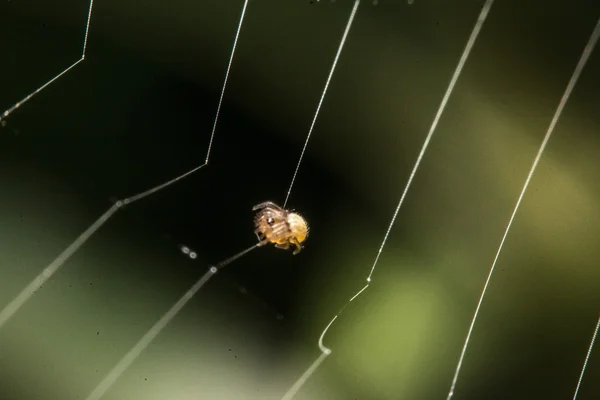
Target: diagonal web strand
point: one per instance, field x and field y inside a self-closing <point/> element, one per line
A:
<point x="24" y="100"/>
<point x="587" y="358"/>
<point x="313" y="367"/>
<point x="25" y="294"/>
<point x="9" y="310"/>
<point x="115" y="373"/>
<point x="160" y="187"/>
<point x="565" y="97"/>
<point x="141" y="345"/>
<point x="463" y="59"/>
<point x="237" y="35"/>
<point x="312" y="125"/>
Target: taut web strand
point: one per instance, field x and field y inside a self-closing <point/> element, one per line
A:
<point x="582" y="61"/>
<point x="18" y="104"/>
<point x="312" y="125"/>
<point x="125" y="362"/>
<point x="237" y="35"/>
<point x="25" y="294"/>
<point x="463" y="59"/>
<point x="587" y="358"/>
<point x="14" y="306"/>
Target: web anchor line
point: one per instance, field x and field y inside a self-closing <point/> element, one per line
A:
<point x="312" y="125"/>
<point x="9" y="310"/>
<point x="115" y="373"/>
<point x="24" y="100"/>
<point x="587" y="358"/>
<point x="563" y="101"/>
<point x="463" y="59"/>
<point x="237" y="35"/>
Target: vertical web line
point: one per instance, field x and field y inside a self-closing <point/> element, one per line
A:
<point x="237" y="34"/>
<point x="463" y="59"/>
<point x="87" y="29"/>
<point x="312" y="125"/>
<point x="24" y="100"/>
<point x="565" y="97"/>
<point x="9" y="310"/>
<point x="587" y="358"/>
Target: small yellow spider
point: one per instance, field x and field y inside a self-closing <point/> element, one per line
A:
<point x="279" y="226"/>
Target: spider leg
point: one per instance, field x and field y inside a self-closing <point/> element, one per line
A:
<point x="296" y="243"/>
<point x="284" y="246"/>
<point x="267" y="204"/>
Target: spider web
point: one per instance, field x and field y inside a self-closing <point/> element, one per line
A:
<point x="58" y="262"/>
<point x="106" y="238"/>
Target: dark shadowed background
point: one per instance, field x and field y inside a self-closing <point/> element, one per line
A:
<point x="139" y="111"/>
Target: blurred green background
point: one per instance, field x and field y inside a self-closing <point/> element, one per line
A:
<point x="139" y="111"/>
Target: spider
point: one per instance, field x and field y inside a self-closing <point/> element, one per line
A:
<point x="279" y="226"/>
